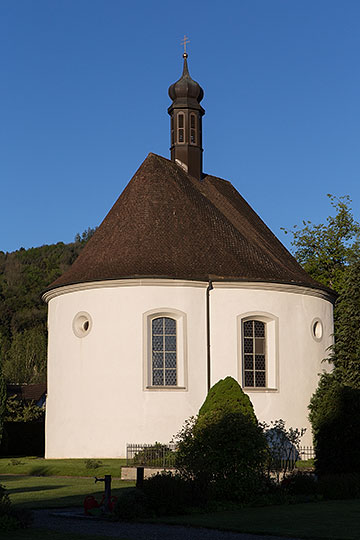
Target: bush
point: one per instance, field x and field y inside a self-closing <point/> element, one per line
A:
<point x="5" y="504"/>
<point x="335" y="419"/>
<point x="8" y="523"/>
<point x="300" y="484"/>
<point x="340" y="486"/>
<point x="283" y="447"/>
<point x="227" y="396"/>
<point x="92" y="463"/>
<point x="131" y="505"/>
<point x="224" y="453"/>
<point x="11" y="519"/>
<point x="169" y="493"/>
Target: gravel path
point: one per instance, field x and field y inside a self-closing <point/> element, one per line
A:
<point x="63" y="521"/>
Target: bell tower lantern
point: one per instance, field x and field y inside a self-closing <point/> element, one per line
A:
<point x="186" y="123"/>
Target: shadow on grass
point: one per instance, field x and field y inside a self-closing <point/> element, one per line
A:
<point x="40" y="471"/>
<point x="39" y="492"/>
<point x="30" y="489"/>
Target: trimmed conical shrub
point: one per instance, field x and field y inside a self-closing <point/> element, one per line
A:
<point x="227" y="396"/>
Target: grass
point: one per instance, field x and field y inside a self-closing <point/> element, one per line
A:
<point x="333" y="520"/>
<point x="35" y="466"/>
<point x="305" y="464"/>
<point x="321" y="520"/>
<point x="35" y="534"/>
<point x="44" y="492"/>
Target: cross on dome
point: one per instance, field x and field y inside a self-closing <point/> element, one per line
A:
<point x="184" y="42"/>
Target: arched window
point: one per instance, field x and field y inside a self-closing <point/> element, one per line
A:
<point x="192" y="128"/>
<point x="181" y="127"/>
<point x="163" y="352"/>
<point x="254" y="353"/>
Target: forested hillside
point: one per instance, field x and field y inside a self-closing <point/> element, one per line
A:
<point x="24" y="274"/>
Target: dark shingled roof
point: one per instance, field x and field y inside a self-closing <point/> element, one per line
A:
<point x="27" y="392"/>
<point x="167" y="224"/>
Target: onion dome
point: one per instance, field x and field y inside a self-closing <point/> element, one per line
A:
<point x="186" y="92"/>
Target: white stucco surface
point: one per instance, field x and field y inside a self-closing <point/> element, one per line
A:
<point x="98" y="388"/>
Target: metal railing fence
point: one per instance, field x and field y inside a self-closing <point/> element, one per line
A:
<point x="151" y="455"/>
<point x="163" y="455"/>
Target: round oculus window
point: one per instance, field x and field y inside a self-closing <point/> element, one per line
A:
<point x="82" y="324"/>
<point x="317" y="329"/>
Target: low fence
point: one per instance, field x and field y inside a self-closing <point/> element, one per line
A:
<point x="286" y="459"/>
<point x="150" y="455"/>
<point x="163" y="455"/>
<point x="306" y="452"/>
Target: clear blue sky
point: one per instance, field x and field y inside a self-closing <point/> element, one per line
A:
<point x="83" y="100"/>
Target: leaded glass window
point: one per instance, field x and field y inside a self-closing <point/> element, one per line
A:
<point x="181" y="127"/>
<point x="192" y="128"/>
<point x="163" y="351"/>
<point x="254" y="355"/>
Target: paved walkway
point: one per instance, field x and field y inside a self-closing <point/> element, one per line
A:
<point x="64" y="521"/>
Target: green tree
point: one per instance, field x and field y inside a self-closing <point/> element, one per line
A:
<point x="225" y="453"/>
<point x="24" y="275"/>
<point x="26" y="358"/>
<point x="330" y="253"/>
<point x="327" y="250"/>
<point x="335" y="420"/>
<point x="345" y="354"/>
<point x="17" y="410"/>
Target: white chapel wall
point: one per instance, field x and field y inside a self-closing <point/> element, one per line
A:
<point x="97" y="396"/>
<point x="96" y="399"/>
<point x="297" y="358"/>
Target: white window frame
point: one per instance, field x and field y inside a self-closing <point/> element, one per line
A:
<point x="181" y="349"/>
<point x="271" y="350"/>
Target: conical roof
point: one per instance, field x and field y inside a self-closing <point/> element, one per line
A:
<point x="166" y="224"/>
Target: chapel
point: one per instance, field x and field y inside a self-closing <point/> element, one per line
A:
<point x="181" y="285"/>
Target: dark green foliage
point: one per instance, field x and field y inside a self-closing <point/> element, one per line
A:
<point x="345" y="354"/>
<point x="227" y="396"/>
<point x="18" y="410"/>
<point x="335" y="419"/>
<point x="11" y="519"/>
<point x="331" y="254"/>
<point x="300" y="484"/>
<point x="131" y="505"/>
<point x="26" y="357"/>
<point x="224" y="453"/>
<point x="169" y="494"/>
<point x="2" y="402"/>
<point x="92" y="463"/>
<point x="340" y="486"/>
<point x="24" y="275"/>
<point x="223" y="450"/>
<point x="85" y="236"/>
<point x="5" y="504"/>
<point x="23" y="439"/>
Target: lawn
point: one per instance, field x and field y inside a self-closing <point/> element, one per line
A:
<point x="35" y="466"/>
<point x="52" y="492"/>
<point x="325" y="519"/>
<point x="322" y="520"/>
